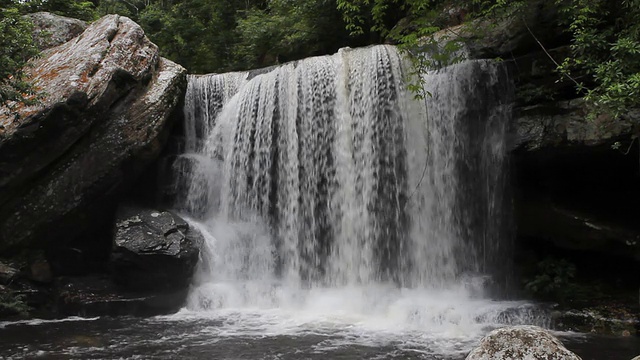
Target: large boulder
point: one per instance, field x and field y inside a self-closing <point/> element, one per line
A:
<point x="153" y="250"/>
<point x="104" y="116"/>
<point x="521" y="342"/>
<point x="51" y="30"/>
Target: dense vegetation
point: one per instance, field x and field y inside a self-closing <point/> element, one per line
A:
<point x="217" y="36"/>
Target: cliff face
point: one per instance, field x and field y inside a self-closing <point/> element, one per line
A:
<point x="104" y="116"/>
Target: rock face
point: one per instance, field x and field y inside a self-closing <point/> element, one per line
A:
<point x="566" y="124"/>
<point x="523" y="343"/>
<point x="104" y="116"/>
<point x="506" y="36"/>
<point x="153" y="250"/>
<point x="51" y="30"/>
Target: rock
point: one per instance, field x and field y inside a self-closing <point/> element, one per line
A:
<point x="51" y="30"/>
<point x="565" y="124"/>
<point x="575" y="229"/>
<point x="636" y="358"/>
<point x="521" y="342"/>
<point x="98" y="295"/>
<point x="153" y="250"/>
<point x="506" y="36"/>
<point x="7" y="273"/>
<point x="104" y="117"/>
<point x="41" y="271"/>
<point x="599" y="320"/>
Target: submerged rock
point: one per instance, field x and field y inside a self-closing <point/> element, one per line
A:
<point x="104" y="116"/>
<point x="521" y="342"/>
<point x="153" y="250"/>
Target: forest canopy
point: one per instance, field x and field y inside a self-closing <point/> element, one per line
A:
<point x="219" y="36"/>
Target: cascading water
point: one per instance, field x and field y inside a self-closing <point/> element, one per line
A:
<point x="328" y="194"/>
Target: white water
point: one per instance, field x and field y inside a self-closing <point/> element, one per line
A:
<point x="332" y="201"/>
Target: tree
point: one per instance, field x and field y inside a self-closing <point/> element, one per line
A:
<point x="286" y="30"/>
<point x="16" y="47"/>
<point x="605" y="47"/>
<point x="83" y="10"/>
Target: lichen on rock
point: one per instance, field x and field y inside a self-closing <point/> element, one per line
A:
<point x="522" y="343"/>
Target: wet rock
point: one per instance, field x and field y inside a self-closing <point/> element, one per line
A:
<point x="51" y="30"/>
<point x="521" y="342"/>
<point x="105" y="116"/>
<point x="153" y="250"/>
<point x="599" y="320"/>
<point x="98" y="295"/>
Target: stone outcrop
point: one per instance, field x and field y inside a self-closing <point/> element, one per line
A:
<point x="502" y="36"/>
<point x="153" y="250"/>
<point x="521" y="342"/>
<point x="104" y="116"/>
<point x="566" y="124"/>
<point x="51" y="30"/>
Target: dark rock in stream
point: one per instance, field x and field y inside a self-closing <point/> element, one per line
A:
<point x="152" y="262"/>
<point x="98" y="295"/>
<point x="153" y="250"/>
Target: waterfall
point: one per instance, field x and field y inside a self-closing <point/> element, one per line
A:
<point x="327" y="173"/>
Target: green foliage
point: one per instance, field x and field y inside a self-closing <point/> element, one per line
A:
<point x="83" y="10"/>
<point x="217" y="36"/>
<point x="287" y="30"/>
<point x="553" y="280"/>
<point x="12" y="304"/>
<point x="16" y="47"/>
<point x="605" y="48"/>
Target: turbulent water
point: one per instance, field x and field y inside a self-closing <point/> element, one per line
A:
<point x="334" y="201"/>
